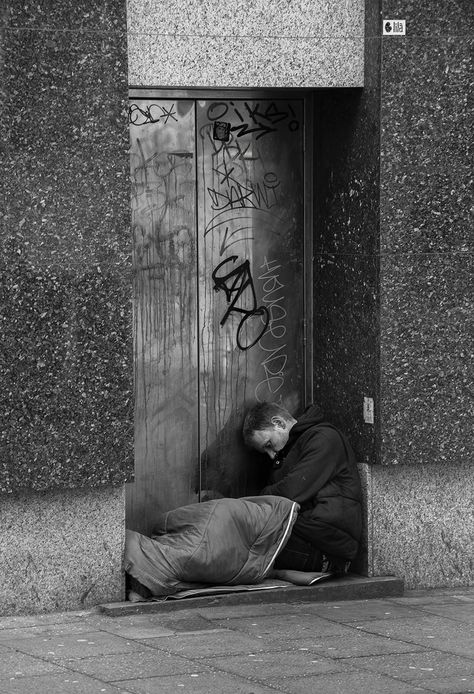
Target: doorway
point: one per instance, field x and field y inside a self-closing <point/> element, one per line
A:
<point x="222" y="271"/>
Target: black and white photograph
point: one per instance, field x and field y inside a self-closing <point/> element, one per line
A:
<point x="236" y="347"/>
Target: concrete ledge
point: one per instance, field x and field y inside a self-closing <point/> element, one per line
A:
<point x="350" y="587"/>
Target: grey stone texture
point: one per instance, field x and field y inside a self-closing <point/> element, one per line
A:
<point x="422" y="525"/>
<point x="421" y="519"/>
<point x="245" y="44"/>
<point x="393" y="299"/>
<point x="66" y="398"/>
<point x="61" y="549"/>
<point x="426" y="239"/>
<point x="426" y="236"/>
<point x="66" y="368"/>
<point x="346" y="251"/>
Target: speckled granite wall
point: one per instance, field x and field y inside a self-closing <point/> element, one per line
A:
<point x="393" y="306"/>
<point x="61" y="550"/>
<point x="65" y="302"/>
<point x="426" y="235"/>
<point x="422" y="527"/>
<point x="422" y="501"/>
<point x="345" y="305"/>
<point x="346" y="251"/>
<point x="245" y="43"/>
<point x="66" y="406"/>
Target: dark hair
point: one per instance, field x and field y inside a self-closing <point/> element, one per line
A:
<point x="260" y="417"/>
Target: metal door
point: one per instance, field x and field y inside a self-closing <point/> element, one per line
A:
<point x="218" y="210"/>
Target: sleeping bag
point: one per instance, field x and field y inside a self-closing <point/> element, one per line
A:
<point x="223" y="541"/>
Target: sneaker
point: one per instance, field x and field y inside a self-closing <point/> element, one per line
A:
<point x="335" y="565"/>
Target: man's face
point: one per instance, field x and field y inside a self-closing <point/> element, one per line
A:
<point x="271" y="440"/>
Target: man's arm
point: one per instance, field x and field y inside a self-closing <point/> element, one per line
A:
<point x="317" y="463"/>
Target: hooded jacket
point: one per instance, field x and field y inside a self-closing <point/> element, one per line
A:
<point x="318" y="470"/>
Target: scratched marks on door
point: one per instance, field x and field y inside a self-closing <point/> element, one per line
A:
<point x="240" y="187"/>
<point x="163" y="180"/>
<point x="250" y="216"/>
<point x="217" y="210"/>
<point x="143" y="114"/>
<point x="273" y="343"/>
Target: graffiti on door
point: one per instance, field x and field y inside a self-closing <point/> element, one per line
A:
<point x="217" y="213"/>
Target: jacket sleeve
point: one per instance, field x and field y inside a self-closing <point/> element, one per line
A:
<point x="316" y="464"/>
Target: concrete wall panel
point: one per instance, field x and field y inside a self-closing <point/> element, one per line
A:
<point x="421" y="524"/>
<point x="246" y="44"/>
<point x="61" y="550"/>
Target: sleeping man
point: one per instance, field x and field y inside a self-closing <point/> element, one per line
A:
<point x="314" y="465"/>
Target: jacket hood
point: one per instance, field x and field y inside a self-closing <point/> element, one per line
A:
<point x="312" y="415"/>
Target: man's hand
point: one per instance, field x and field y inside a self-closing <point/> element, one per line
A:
<point x="210" y="495"/>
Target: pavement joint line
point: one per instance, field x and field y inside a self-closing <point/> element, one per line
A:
<point x="411" y="682"/>
<point x="256" y="680"/>
<point x="423" y="609"/>
<point x="66" y="670"/>
<point x="413" y="643"/>
<point x="282" y="649"/>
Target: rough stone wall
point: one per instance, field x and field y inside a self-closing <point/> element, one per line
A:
<point x="66" y="405"/>
<point x="246" y="43"/>
<point x="423" y="528"/>
<point x="393" y="268"/>
<point x="66" y="367"/>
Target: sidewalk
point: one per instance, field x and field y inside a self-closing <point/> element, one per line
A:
<point x="421" y="642"/>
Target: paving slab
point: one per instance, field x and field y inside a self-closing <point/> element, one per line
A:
<point x="142" y="631"/>
<point x="358" y="610"/>
<point x="215" y="683"/>
<point x="15" y="664"/>
<point x="77" y="646"/>
<point x="426" y="665"/>
<point x="356" y="644"/>
<point x="217" y="642"/>
<point x="431" y="631"/>
<point x="437" y="596"/>
<point x="345" y="683"/>
<point x="140" y="664"/>
<point x="276" y="664"/>
<point x="187" y="623"/>
<point x="213" y="612"/>
<point x="69" y="683"/>
<point x="19" y="621"/>
<point x="43" y="630"/>
<point x="131" y="625"/>
<point x="457" y="612"/>
<point x="449" y="685"/>
<point x="288" y="626"/>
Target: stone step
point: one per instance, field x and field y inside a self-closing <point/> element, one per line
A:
<point x="350" y="587"/>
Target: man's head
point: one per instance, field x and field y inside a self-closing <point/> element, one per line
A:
<point x="267" y="428"/>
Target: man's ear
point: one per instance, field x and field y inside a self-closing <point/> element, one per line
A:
<point x="278" y="422"/>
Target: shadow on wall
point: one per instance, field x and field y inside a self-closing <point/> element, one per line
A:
<point x="227" y="467"/>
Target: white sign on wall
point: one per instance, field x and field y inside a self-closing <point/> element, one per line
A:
<point x="394" y="27"/>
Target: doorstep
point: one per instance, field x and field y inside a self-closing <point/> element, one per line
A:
<point x="350" y="587"/>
